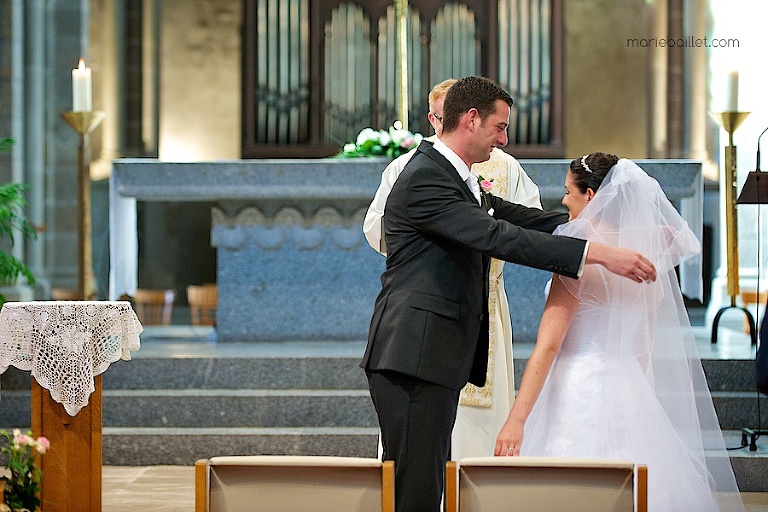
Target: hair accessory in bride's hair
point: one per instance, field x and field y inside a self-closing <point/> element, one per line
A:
<point x="584" y="164"/>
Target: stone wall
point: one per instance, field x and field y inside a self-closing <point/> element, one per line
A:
<point x="607" y="85"/>
<point x="200" y="79"/>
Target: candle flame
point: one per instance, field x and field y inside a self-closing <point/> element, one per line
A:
<point x="82" y="64"/>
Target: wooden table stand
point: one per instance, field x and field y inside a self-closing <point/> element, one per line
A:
<point x="72" y="465"/>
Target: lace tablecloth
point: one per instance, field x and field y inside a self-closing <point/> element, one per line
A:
<point x="64" y="344"/>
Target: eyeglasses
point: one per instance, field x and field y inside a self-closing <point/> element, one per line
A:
<point x="439" y="118"/>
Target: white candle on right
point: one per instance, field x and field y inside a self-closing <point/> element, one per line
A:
<point x="81" y="88"/>
<point x="732" y="92"/>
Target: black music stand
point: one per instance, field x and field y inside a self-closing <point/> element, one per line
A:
<point x="755" y="191"/>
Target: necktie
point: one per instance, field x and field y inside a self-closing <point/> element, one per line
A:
<point x="474" y="186"/>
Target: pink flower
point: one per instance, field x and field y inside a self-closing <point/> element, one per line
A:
<point x="486" y="185"/>
<point x="22" y="485"/>
<point x="43" y="444"/>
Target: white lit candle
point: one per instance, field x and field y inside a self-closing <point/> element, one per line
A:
<point x="732" y="92"/>
<point x="81" y="88"/>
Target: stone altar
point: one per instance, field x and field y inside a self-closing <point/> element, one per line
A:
<point x="292" y="261"/>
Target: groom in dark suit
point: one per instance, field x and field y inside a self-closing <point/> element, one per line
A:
<point x="429" y="331"/>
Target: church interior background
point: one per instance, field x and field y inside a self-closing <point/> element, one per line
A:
<point x="201" y="80"/>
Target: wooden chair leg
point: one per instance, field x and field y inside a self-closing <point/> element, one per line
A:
<point x="642" y="488"/>
<point x="388" y="486"/>
<point x="451" y="482"/>
<point x="201" y="485"/>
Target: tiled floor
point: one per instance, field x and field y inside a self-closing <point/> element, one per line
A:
<point x="755" y="501"/>
<point x="148" y="489"/>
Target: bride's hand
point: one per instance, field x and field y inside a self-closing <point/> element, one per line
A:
<point x="509" y="440"/>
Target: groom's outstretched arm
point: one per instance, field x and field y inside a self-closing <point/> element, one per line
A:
<point x="623" y="262"/>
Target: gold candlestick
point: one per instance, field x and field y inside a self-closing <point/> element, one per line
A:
<point x="84" y="123"/>
<point x="729" y="121"/>
<point x="401" y="17"/>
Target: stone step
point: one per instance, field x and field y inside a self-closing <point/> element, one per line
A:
<point x="183" y="446"/>
<point x="729" y="374"/>
<point x="749" y="467"/>
<point x="324" y="373"/>
<point x="221" y="373"/>
<point x="236" y="408"/>
<point x="174" y="410"/>
<point x="15" y="409"/>
<point x="216" y="408"/>
<point x="288" y="408"/>
<point x="237" y="373"/>
<point x="290" y="392"/>
<point x="143" y="446"/>
<point x="738" y="409"/>
<point x="304" y="373"/>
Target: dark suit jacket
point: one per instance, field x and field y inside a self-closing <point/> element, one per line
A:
<point x="430" y="320"/>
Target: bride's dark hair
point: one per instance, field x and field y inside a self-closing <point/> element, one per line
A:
<point x="590" y="170"/>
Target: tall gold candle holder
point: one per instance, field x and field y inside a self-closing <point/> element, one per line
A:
<point x="84" y="123"/>
<point x="401" y="17"/>
<point x="730" y="121"/>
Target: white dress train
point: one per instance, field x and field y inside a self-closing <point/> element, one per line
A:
<point x="628" y="382"/>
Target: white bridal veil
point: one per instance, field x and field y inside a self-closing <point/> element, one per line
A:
<point x="649" y="334"/>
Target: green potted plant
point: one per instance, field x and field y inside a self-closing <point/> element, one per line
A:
<point x="13" y="222"/>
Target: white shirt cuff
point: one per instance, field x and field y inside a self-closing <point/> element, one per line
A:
<point x="583" y="260"/>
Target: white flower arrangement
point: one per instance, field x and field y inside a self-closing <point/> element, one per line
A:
<point x="391" y="143"/>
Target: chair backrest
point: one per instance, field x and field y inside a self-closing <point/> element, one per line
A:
<point x="294" y="483"/>
<point x="203" y="300"/>
<point x="533" y="484"/>
<point x="154" y="307"/>
<point x="66" y="294"/>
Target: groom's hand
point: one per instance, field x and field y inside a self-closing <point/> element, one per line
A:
<point x="623" y="262"/>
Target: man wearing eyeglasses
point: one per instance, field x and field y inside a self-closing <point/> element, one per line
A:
<point x="482" y="411"/>
<point x="429" y="331"/>
<point x="521" y="189"/>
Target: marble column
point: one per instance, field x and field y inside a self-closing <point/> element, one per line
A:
<point x="34" y="128"/>
<point x="47" y="38"/>
<point x="112" y="76"/>
<point x="150" y="72"/>
<point x="658" y="84"/>
<point x="13" y="88"/>
<point x="675" y="98"/>
<point x="695" y="83"/>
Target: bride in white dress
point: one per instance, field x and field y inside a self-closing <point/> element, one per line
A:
<point x="615" y="372"/>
